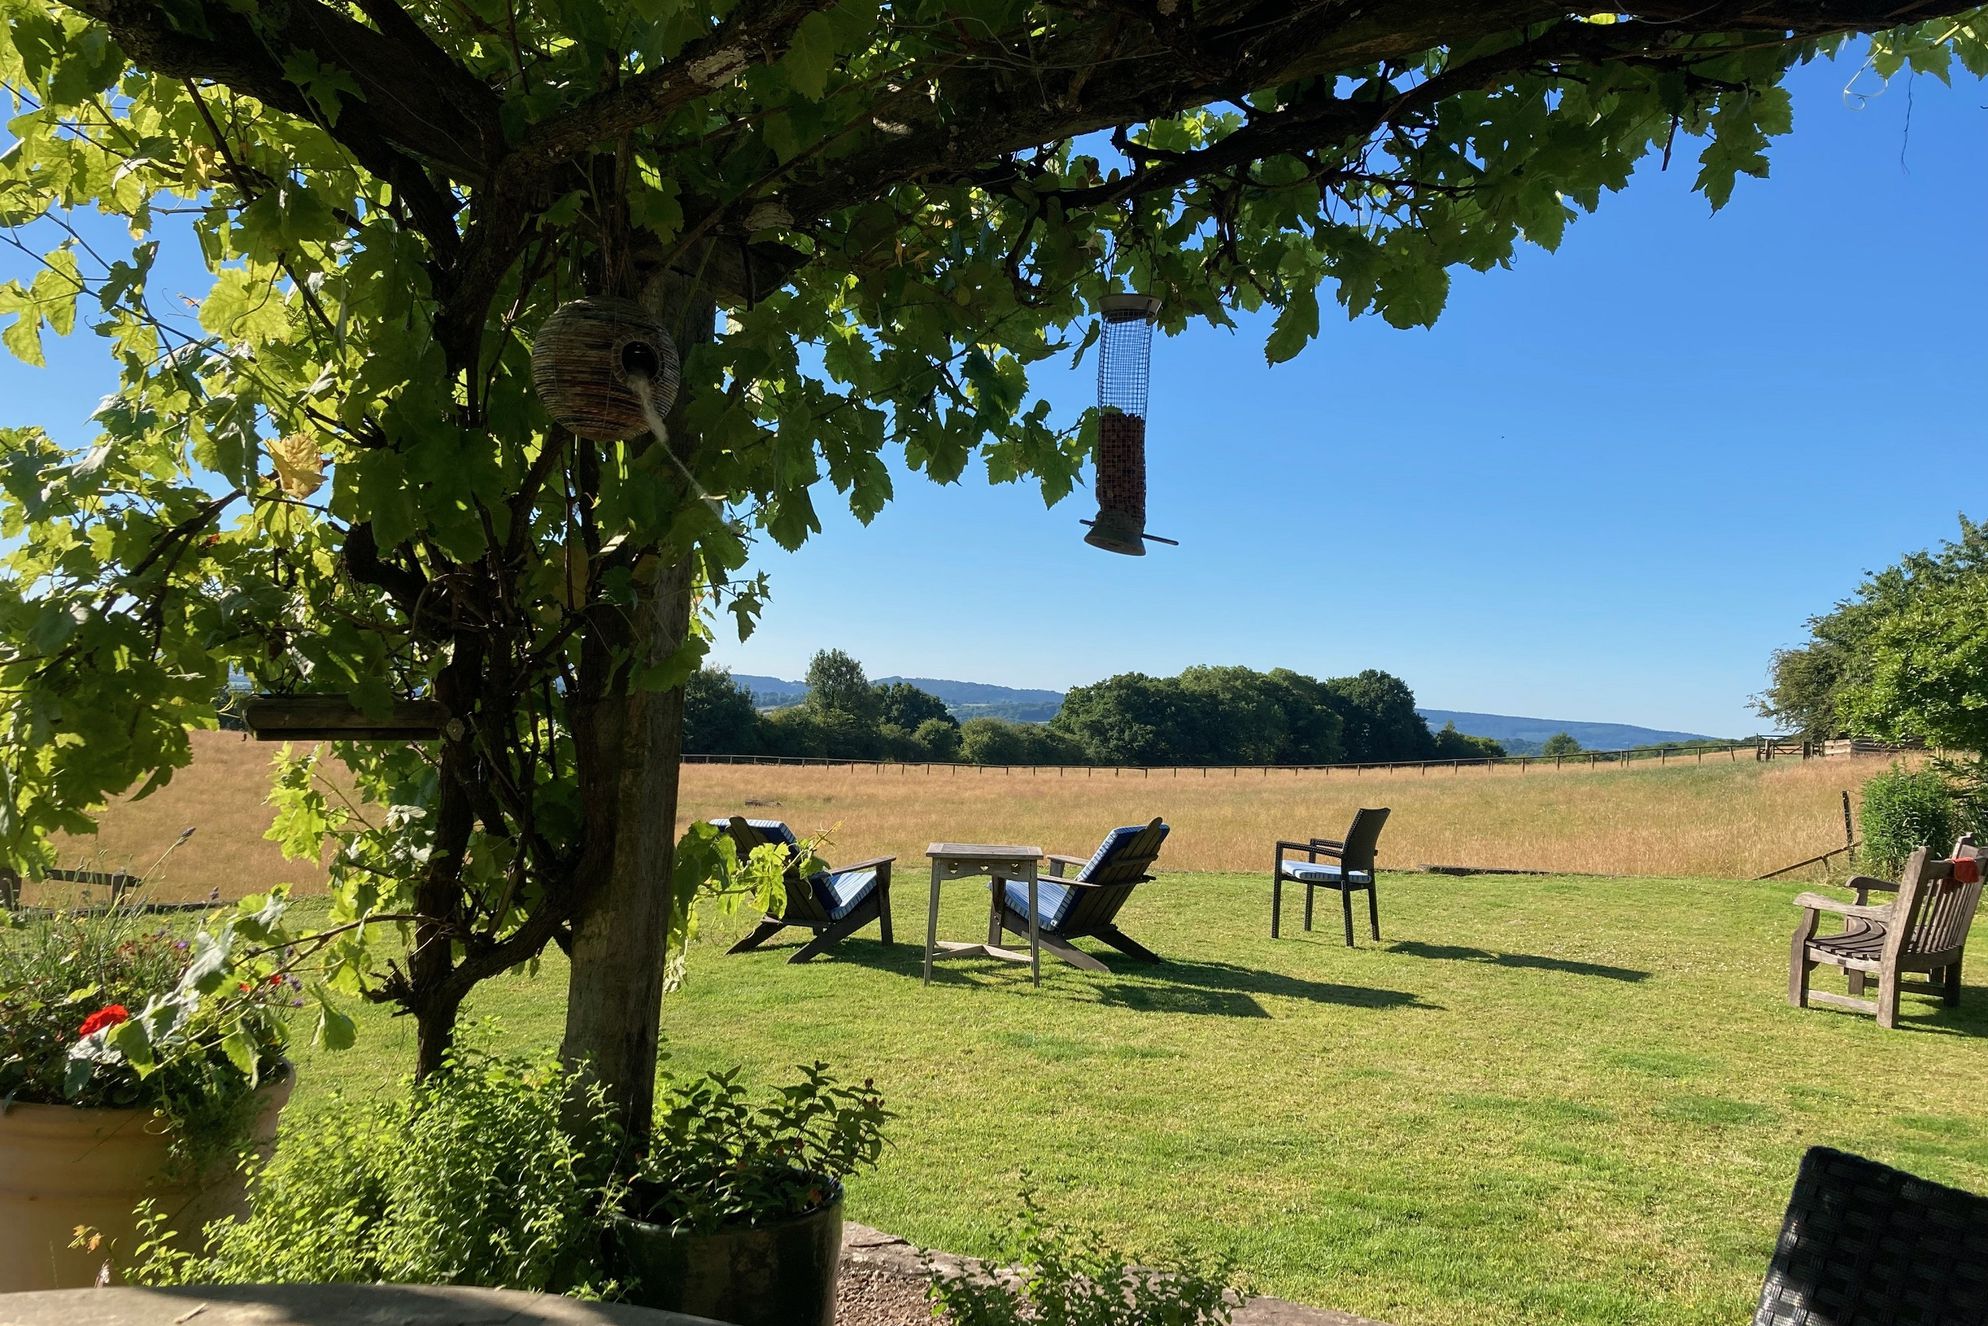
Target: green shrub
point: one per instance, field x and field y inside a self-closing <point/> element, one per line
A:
<point x="718" y="1159"/>
<point x="470" y="1177"/>
<point x="1967" y="780"/>
<point x="1903" y="811"/>
<point x="1076" y="1279"/>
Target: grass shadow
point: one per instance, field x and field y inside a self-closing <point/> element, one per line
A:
<point x="1223" y="989"/>
<point x="1172" y="985"/>
<point x="1522" y="961"/>
<point x="1919" y="1011"/>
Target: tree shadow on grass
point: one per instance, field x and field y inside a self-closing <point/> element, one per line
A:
<point x="1223" y="989"/>
<point x="1171" y="985"/>
<point x="1524" y="961"/>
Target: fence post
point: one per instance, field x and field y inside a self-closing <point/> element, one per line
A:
<point x="1849" y="833"/>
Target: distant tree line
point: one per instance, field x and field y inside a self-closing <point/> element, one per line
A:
<point x="1902" y="658"/>
<point x="1204" y="716"/>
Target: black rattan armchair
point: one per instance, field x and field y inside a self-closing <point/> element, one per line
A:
<point x="1867" y="1245"/>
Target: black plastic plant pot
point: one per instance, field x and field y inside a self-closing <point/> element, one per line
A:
<point x="777" y="1274"/>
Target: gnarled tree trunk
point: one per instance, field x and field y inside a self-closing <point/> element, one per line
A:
<point x="621" y="920"/>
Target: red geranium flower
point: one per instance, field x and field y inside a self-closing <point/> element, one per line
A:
<point x="107" y="1016"/>
<point x="276" y="978"/>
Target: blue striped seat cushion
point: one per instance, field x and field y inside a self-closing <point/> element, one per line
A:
<point x="1053" y="901"/>
<point x="839" y="892"/>
<point x="843" y="891"/>
<point x="777" y="830"/>
<point x="1109" y="848"/>
<point x="1317" y="872"/>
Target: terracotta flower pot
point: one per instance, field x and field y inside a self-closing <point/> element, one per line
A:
<point x="61" y="1167"/>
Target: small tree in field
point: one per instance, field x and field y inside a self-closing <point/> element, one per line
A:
<point x="328" y="470"/>
<point x="838" y="689"/>
<point x="1559" y="744"/>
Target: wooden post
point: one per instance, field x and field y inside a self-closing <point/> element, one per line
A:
<point x="1849" y="831"/>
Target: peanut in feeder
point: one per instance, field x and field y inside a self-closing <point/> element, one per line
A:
<point x="594" y="362"/>
<point x="1124" y="368"/>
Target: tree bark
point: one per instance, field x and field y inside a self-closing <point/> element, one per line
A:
<point x="621" y="921"/>
<point x="615" y="988"/>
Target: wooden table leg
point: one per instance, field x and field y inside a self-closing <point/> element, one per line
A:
<point x="932" y="924"/>
<point x="1035" y="930"/>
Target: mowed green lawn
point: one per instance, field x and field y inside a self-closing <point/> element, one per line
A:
<point x="1536" y="1100"/>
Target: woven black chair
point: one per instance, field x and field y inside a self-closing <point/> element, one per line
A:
<point x="1867" y="1245"/>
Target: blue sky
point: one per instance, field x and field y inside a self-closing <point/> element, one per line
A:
<point x="1606" y="486"/>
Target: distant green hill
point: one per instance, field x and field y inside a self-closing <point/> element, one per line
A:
<point x="1523" y="736"/>
<point x="978" y="699"/>
<point x="966" y="699"/>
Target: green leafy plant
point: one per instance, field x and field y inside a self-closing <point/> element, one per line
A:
<point x="106" y="1007"/>
<point x="493" y="1171"/>
<point x="716" y="1158"/>
<point x="1905" y="809"/>
<point x="1967" y="780"/>
<point x="1068" y="1278"/>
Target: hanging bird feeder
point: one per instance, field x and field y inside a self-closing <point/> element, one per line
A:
<point x="605" y="368"/>
<point x="1124" y="366"/>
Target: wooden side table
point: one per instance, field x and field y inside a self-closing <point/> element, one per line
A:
<point x="1002" y="861"/>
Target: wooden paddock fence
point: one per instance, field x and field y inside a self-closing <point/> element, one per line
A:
<point x="1662" y="756"/>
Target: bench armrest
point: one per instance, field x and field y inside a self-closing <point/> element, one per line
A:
<point x="874" y="863"/>
<point x="1866" y="883"/>
<point x="1815" y="902"/>
<point x="1057" y="861"/>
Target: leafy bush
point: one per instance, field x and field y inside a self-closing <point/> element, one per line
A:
<point x="1904" y="810"/>
<point x="939" y="737"/>
<point x="474" y="1176"/>
<point x="1076" y="1279"/>
<point x="717" y="1159"/>
<point x="1967" y="780"/>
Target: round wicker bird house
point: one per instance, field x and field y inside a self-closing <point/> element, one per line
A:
<point x="593" y="362"/>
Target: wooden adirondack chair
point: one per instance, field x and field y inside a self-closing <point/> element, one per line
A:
<point x="1084" y="905"/>
<point x="833" y="903"/>
<point x="1351" y="870"/>
<point x="1924" y="930"/>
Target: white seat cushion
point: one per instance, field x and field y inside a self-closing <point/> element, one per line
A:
<point x="1317" y="872"/>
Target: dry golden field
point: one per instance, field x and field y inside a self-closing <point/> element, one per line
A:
<point x="1720" y="819"/>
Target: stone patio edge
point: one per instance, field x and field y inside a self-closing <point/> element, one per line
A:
<point x="874" y="1249"/>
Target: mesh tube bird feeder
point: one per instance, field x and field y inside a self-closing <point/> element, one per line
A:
<point x="1125" y="352"/>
